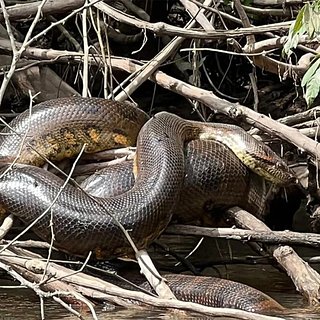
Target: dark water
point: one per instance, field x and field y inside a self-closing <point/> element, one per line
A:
<point x="24" y="304"/>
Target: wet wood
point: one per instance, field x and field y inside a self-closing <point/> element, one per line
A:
<point x="305" y="278"/>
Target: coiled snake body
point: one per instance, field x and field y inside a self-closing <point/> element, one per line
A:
<point x="208" y="188"/>
<point x="59" y="128"/>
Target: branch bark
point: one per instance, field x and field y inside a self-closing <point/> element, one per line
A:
<point x="265" y="236"/>
<point x="306" y="279"/>
<point x="160" y="28"/>
<point x="86" y="281"/>
<point x="29" y="10"/>
<point x="233" y="110"/>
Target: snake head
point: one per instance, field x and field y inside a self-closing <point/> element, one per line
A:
<point x="267" y="163"/>
<point x="276" y="171"/>
<point x="287" y="176"/>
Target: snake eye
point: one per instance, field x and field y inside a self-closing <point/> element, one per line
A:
<point x="279" y="165"/>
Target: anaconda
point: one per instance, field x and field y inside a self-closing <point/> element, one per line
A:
<point x="59" y="128"/>
<point x="208" y="189"/>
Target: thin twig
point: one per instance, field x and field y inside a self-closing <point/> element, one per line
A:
<point x="97" y="27"/>
<point x="51" y="213"/>
<point x="83" y="265"/>
<point x="47" y="210"/>
<point x="16" y="53"/>
<point x="68" y="307"/>
<point x="85" y="70"/>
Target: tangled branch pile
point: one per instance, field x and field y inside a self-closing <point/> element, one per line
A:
<point x="200" y="59"/>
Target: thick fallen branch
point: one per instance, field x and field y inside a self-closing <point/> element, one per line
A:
<point x="283" y="12"/>
<point x="29" y="10"/>
<point x="311" y="132"/>
<point x="271" y="237"/>
<point x="309" y="114"/>
<point x="44" y="81"/>
<point x="28" y="279"/>
<point x="6" y="226"/>
<point x="233" y="110"/>
<point x="161" y="28"/>
<point x="269" y="3"/>
<point x="306" y="279"/>
<point x="156" y="281"/>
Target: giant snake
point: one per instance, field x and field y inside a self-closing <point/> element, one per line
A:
<point x="59" y="128"/>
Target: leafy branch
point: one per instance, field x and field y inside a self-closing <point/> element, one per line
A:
<point x="306" y="23"/>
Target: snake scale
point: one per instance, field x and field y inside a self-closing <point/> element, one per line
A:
<point x="208" y="189"/>
<point x="59" y="128"/>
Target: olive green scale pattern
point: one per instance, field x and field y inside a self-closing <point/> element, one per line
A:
<point x="59" y="128"/>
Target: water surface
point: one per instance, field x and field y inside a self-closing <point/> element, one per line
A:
<point x="24" y="303"/>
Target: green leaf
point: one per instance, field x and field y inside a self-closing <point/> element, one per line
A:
<point x="312" y="88"/>
<point x="248" y="3"/>
<point x="292" y="42"/>
<point x="299" y="21"/>
<point x="306" y="18"/>
<point x="312" y="19"/>
<point x="296" y="29"/>
<point x="316" y="22"/>
<point x="310" y="72"/>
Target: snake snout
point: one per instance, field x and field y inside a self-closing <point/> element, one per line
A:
<point x="277" y="172"/>
<point x="287" y="175"/>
